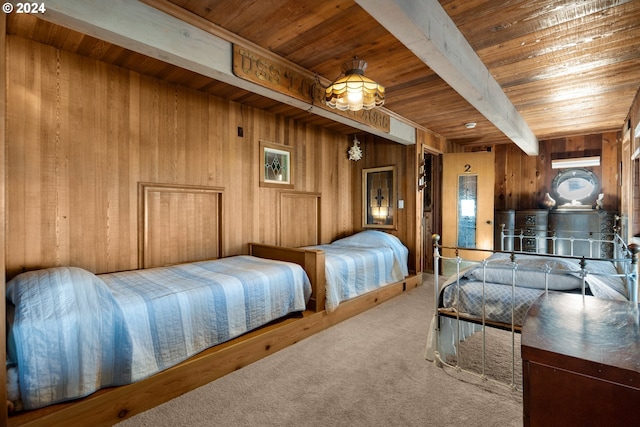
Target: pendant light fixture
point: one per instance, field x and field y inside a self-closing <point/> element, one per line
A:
<point x="353" y="91"/>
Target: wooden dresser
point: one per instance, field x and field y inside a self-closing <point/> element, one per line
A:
<point x="581" y="362"/>
<point x="562" y="223"/>
<point x="580" y="223"/>
<point x="532" y="223"/>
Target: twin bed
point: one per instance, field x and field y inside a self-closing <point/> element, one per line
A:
<point x="498" y="291"/>
<point x="71" y="333"/>
<point x="361" y="263"/>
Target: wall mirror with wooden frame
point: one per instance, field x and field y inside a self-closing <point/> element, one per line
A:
<point x="379" y="197"/>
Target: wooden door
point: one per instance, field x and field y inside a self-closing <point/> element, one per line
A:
<point x="467" y="202"/>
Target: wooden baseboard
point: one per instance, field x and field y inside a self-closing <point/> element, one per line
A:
<point x="355" y="306"/>
<point x="109" y="406"/>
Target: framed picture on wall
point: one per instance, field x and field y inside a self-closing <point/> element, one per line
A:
<point x="379" y="197"/>
<point x="276" y="165"/>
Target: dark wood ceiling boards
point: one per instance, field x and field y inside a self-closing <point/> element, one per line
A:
<point x="577" y="60"/>
<point x="569" y="67"/>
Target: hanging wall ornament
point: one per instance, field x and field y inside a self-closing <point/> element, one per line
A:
<point x="355" y="152"/>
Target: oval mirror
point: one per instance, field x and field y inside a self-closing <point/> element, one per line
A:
<point x="575" y="186"/>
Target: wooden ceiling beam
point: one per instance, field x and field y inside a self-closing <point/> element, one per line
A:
<point x="425" y="28"/>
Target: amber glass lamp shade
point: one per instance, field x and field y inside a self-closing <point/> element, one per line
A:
<point x="354" y="91"/>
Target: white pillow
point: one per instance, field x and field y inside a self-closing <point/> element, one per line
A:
<point x="564" y="275"/>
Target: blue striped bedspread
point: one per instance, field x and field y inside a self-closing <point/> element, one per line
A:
<point x="362" y="263"/>
<point x="73" y="333"/>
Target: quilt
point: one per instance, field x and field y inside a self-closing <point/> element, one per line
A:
<point x="361" y="263"/>
<point x="72" y="332"/>
<point x="488" y="286"/>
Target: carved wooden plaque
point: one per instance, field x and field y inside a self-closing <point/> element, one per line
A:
<point x="279" y="76"/>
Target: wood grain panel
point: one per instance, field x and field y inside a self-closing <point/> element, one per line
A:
<point x="179" y="223"/>
<point x="377" y="153"/>
<point x="522" y="181"/>
<point x="299" y="219"/>
<point x="81" y="134"/>
<point x="3" y="303"/>
<point x="568" y="69"/>
<point x="631" y="165"/>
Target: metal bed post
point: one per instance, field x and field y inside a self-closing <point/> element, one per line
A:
<point x="458" y="326"/>
<point x="521" y="237"/>
<point x="514" y="267"/>
<point x="436" y="271"/>
<point x="484" y="320"/>
<point x="633" y="292"/>
<point x="583" y="276"/>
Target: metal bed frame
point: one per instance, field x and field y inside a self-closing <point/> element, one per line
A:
<point x="625" y="259"/>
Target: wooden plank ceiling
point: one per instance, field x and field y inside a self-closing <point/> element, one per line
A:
<point x="569" y="67"/>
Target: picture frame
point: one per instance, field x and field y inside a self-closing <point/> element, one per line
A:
<point x="379" y="197"/>
<point x="276" y="165"/>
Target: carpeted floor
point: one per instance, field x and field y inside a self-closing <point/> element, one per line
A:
<point x="501" y="363"/>
<point x="367" y="371"/>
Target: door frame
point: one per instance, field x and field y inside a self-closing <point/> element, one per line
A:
<point x="431" y="220"/>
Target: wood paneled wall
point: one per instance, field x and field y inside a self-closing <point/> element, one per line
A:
<point x="378" y="152"/>
<point x="633" y="120"/>
<point x="633" y="208"/>
<point x="522" y="181"/>
<point x="81" y="134"/>
<point x="3" y="169"/>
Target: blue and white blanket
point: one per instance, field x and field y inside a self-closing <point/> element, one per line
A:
<point x="72" y="333"/>
<point x="361" y="263"/>
<point x="487" y="287"/>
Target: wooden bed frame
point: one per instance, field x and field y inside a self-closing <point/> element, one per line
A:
<point x="111" y="405"/>
<point x="311" y="260"/>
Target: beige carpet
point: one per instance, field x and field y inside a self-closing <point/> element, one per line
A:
<point x="367" y="371"/>
<point x="502" y="361"/>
